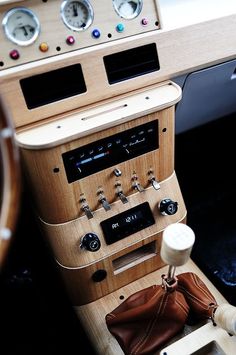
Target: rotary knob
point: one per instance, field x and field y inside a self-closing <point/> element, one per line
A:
<point x="168" y="207"/>
<point x="90" y="242"/>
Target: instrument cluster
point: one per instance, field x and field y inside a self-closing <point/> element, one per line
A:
<point x="42" y="28"/>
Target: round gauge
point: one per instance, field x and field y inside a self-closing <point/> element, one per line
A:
<point x="21" y="26"/>
<point x="77" y="14"/>
<point x="128" y="9"/>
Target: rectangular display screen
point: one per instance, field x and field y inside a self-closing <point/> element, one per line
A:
<point x="126" y="223"/>
<point x="106" y="152"/>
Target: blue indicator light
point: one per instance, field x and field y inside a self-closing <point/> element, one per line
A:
<point x="120" y="27"/>
<point x="96" y="33"/>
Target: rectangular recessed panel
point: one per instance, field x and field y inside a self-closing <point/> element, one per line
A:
<point x="211" y="348"/>
<point x="131" y="63"/>
<point x="52" y="86"/>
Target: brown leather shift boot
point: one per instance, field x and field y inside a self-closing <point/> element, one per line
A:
<point x="148" y="319"/>
<point x="200" y="300"/>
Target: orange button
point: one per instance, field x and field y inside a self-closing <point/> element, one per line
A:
<point x="44" y="47"/>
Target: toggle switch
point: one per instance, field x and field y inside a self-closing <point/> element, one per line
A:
<point x="102" y="199"/>
<point x="136" y="184"/>
<point x="153" y="180"/>
<point x="85" y="208"/>
<point x="120" y="192"/>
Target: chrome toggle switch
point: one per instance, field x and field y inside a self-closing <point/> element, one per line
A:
<point x="122" y="197"/>
<point x="102" y="199"/>
<point x="153" y="180"/>
<point x="136" y="184"/>
<point x="120" y="193"/>
<point x="85" y="208"/>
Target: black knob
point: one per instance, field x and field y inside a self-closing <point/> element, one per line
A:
<point x="168" y="207"/>
<point x="90" y="241"/>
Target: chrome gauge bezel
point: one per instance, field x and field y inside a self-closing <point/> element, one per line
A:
<point x="89" y="8"/>
<point x="118" y="3"/>
<point x="5" y="24"/>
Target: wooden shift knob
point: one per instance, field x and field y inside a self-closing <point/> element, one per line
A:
<point x="177" y="242"/>
<point x="225" y="317"/>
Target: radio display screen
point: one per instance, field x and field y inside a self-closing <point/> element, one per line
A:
<point x="106" y="152"/>
<point x="126" y="223"/>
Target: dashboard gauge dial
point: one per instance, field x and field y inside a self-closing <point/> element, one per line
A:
<point x="128" y="9"/>
<point x="77" y="14"/>
<point x="21" y="26"/>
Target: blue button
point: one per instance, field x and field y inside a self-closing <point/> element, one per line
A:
<point x="120" y="27"/>
<point x="96" y="33"/>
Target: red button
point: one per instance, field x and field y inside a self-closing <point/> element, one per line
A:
<point x="14" y="54"/>
<point x="70" y="40"/>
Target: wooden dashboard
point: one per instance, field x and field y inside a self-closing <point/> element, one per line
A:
<point x="179" y="48"/>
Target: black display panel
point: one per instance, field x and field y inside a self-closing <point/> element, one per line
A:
<point x="106" y="152"/>
<point x="43" y="89"/>
<point x="126" y="223"/>
<point x="131" y="63"/>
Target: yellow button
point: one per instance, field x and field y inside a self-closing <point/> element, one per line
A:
<point x="44" y="47"/>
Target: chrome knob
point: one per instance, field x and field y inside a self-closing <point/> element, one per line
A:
<point x="168" y="207"/>
<point x="90" y="242"/>
<point x="117" y="172"/>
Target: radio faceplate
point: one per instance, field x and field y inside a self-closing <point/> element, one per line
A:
<point x="126" y="223"/>
<point x="104" y="153"/>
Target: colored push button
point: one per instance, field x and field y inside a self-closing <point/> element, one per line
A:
<point x="144" y="21"/>
<point x="14" y="54"/>
<point x="43" y="47"/>
<point x="70" y="40"/>
<point x="120" y="27"/>
<point x="96" y="33"/>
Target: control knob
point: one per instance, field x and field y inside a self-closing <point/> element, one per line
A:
<point x="168" y="207"/>
<point x="90" y="242"/>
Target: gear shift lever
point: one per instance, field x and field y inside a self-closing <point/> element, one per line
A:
<point x="177" y="243"/>
<point x="149" y="318"/>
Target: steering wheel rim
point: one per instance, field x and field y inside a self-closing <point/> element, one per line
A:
<point x="10" y="183"/>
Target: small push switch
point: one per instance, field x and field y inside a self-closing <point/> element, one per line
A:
<point x="117" y="172"/>
<point x="90" y="242"/>
<point x="168" y="207"/>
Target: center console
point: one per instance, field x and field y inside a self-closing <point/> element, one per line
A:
<point x="87" y="85"/>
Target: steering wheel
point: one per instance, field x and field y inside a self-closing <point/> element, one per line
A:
<point x="9" y="183"/>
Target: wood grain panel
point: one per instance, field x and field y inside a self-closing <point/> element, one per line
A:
<point x="180" y="51"/>
<point x="57" y="201"/>
<point x="54" y="32"/>
<point x="124" y="260"/>
<point x="65" y="238"/>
